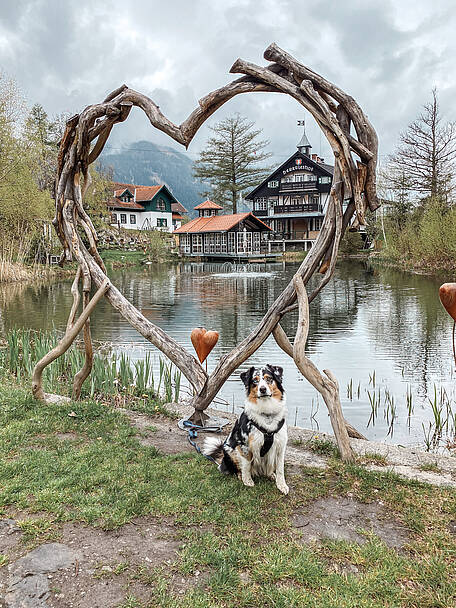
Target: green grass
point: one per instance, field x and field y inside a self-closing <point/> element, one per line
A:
<point x="241" y="539"/>
<point x="323" y="447"/>
<point x="374" y="458"/>
<point x="138" y="385"/>
<point x="432" y="467"/>
<point x="120" y="257"/>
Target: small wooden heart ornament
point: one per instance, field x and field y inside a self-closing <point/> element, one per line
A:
<point x="447" y="293"/>
<point x="203" y="341"/>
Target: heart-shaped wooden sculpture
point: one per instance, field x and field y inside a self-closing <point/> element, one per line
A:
<point x="203" y="341"/>
<point x="447" y="293"/>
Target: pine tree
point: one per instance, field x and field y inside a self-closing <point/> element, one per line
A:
<point x="23" y="206"/>
<point x="426" y="154"/>
<point x="43" y="136"/>
<point x="231" y="162"/>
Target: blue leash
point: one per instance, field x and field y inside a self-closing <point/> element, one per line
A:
<point x="193" y="435"/>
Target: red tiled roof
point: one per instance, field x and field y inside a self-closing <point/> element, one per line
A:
<point x="216" y="223"/>
<point x="146" y="193"/>
<point x="143" y="193"/>
<point x="176" y="215"/>
<point x="208" y="205"/>
<point x="178" y="207"/>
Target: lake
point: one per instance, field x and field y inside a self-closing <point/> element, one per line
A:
<point x="381" y="331"/>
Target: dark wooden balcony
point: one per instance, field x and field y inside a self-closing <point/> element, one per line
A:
<point x="298" y="186"/>
<point x="298" y="208"/>
<point x="260" y="212"/>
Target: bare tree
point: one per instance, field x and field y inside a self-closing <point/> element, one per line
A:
<point x="424" y="159"/>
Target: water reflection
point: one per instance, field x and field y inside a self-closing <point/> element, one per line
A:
<point x="365" y="320"/>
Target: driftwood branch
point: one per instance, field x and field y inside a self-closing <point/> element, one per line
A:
<point x="328" y="387"/>
<point x="83" y="141"/>
<point x="284" y="343"/>
<point x="84" y="372"/>
<point x="65" y="342"/>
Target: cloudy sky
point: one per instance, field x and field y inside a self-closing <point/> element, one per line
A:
<point x="387" y="54"/>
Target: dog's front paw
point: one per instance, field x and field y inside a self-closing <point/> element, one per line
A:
<point x="248" y="482"/>
<point x="282" y="487"/>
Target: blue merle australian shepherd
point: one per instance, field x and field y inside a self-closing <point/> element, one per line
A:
<point x="256" y="445"/>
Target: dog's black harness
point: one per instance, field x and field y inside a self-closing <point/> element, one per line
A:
<point x="268" y="436"/>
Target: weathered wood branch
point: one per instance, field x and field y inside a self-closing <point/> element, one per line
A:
<point x="85" y="370"/>
<point x="284" y="343"/>
<point x="332" y="109"/>
<point x="65" y="342"/>
<point x="76" y="299"/>
<point x="190" y="367"/>
<point x="328" y="387"/>
<point x="366" y="133"/>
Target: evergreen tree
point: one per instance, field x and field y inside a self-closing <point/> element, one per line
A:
<point x="43" y="136"/>
<point x="232" y="161"/>
<point x="426" y="154"/>
<point x="23" y="207"/>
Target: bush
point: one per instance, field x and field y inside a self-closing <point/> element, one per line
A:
<point x="427" y="239"/>
<point x="351" y="243"/>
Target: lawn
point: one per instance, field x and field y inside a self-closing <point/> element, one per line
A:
<point x="118" y="257"/>
<point x="84" y="463"/>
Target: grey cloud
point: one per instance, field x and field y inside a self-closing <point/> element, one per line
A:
<point x="66" y="55"/>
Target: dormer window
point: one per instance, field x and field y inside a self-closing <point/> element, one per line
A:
<point x="126" y="197"/>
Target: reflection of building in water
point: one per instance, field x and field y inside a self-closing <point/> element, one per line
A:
<point x="386" y="315"/>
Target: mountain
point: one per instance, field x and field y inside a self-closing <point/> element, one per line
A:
<point x="148" y="164"/>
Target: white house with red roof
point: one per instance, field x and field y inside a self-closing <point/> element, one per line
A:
<point x="145" y="208"/>
<point x="238" y="235"/>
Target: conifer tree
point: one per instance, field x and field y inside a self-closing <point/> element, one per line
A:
<point x="43" y="136"/>
<point x="23" y="206"/>
<point x="232" y="161"/>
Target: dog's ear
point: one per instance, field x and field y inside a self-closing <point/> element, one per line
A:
<point x="277" y="371"/>
<point x="246" y="377"/>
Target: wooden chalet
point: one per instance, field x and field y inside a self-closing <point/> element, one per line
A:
<point x="212" y="235"/>
<point x="292" y="200"/>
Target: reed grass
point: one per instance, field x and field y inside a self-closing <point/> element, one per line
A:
<point x="117" y="375"/>
<point x="439" y="431"/>
<point x="111" y="374"/>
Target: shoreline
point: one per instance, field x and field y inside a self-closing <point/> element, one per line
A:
<point x="15" y="273"/>
<point x="18" y="273"/>
<point x="25" y="273"/>
<point x="377" y="259"/>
